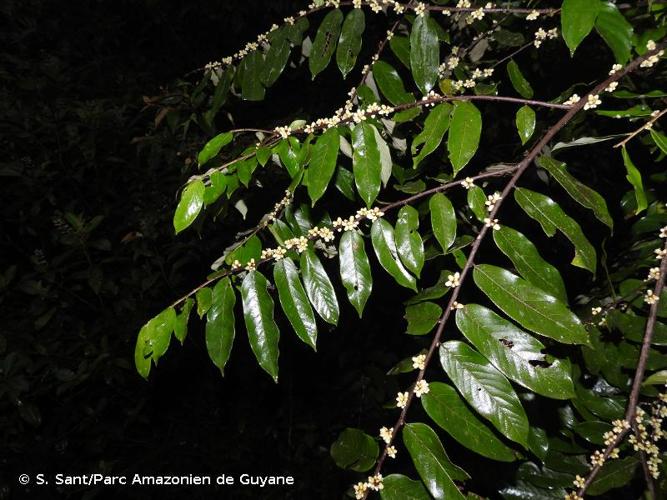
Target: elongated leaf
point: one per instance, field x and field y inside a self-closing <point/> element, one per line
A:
<point x="635" y="178"/>
<point x="530" y="306"/>
<point x="204" y="298"/>
<point x="295" y="302"/>
<point x="355" y="270"/>
<point x="614" y="474"/>
<point x="464" y="132"/>
<point x="408" y="241"/>
<point x="366" y="163"/>
<point x="615" y="30"/>
<point x="220" y="323"/>
<point x="390" y="83"/>
<point x="399" y="487"/>
<point x="142" y="353"/>
<point x="349" y="43"/>
<point x="153" y="340"/>
<point x="323" y="164"/>
<point x="424" y="53"/>
<point x="519" y="82"/>
<point x="660" y="140"/>
<point x="400" y="46"/>
<point x="386" y="164"/>
<point x="552" y="217"/>
<point x="443" y="220"/>
<point x="263" y="332"/>
<point x="189" y="206"/>
<point x="181" y="322"/>
<point x="251" y="80"/>
<point x="529" y="263"/>
<point x="325" y="42"/>
<point x="477" y="202"/>
<point x="577" y="20"/>
<point x="486" y="390"/>
<point x="581" y="193"/>
<point x="435" y="126"/>
<point x="213" y="147"/>
<point x="422" y="317"/>
<point x="515" y="353"/>
<point x="355" y="450"/>
<point x="432" y="463"/>
<point x="444" y="405"/>
<point x="525" y="123"/>
<point x="318" y="286"/>
<point x="276" y="56"/>
<point x="382" y="236"/>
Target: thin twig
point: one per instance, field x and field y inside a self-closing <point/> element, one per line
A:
<point x="646" y="126"/>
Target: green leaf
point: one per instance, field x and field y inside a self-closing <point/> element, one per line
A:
<point x="529" y="263"/>
<point x="263" y="332"/>
<point x="390" y="84"/>
<point x="435" y="126"/>
<point x="220" y="323"/>
<point x="577" y="20"/>
<point x="142" y="352"/>
<point x="614" y="474"/>
<point x="355" y="450"/>
<point x="635" y="179"/>
<point x="422" y="317"/>
<point x="276" y="57"/>
<point x="530" y="306"/>
<point x="189" y="206"/>
<point x="581" y="193"/>
<point x="551" y="217"/>
<point x="408" y="241"/>
<point x="400" y="46"/>
<point x="660" y="140"/>
<point x="155" y="336"/>
<point x="325" y="42"/>
<point x="399" y="487"/>
<point x="443" y="404"/>
<point x="355" y="270"/>
<point x="424" y="53"/>
<point x="477" y="202"/>
<point x="464" y="133"/>
<point x="318" y="286"/>
<point x="213" y="147"/>
<point x="294" y="301"/>
<point x="616" y="31"/>
<point x="525" y="123"/>
<point x="519" y="82"/>
<point x="344" y="182"/>
<point x="349" y="43"/>
<point x="432" y="463"/>
<point x="515" y="353"/>
<point x="204" y="298"/>
<point x="443" y="220"/>
<point x="366" y="163"/>
<point x="323" y="164"/>
<point x="382" y="236"/>
<point x="251" y="80"/>
<point x="486" y="390"/>
<point x="288" y="152"/>
<point x="181" y="322"/>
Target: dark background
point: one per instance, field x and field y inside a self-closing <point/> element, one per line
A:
<point x="87" y="255"/>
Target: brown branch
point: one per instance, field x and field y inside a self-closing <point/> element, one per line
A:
<point x="646" y="126"/>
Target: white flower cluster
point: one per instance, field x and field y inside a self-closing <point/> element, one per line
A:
<point x="533" y="16"/>
<point x="541" y="35"/>
<point x="491" y="201"/>
<point x="592" y="101"/>
<point x="468" y="183"/>
<point x="651" y="298"/>
<point x="286" y="200"/>
<point x="351" y="223"/>
<point x="492" y="223"/>
<point x="653" y="274"/>
<point x="651" y="60"/>
<point x="419" y="362"/>
<point x="453" y="280"/>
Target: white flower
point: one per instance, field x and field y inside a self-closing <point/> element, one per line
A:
<point x="467" y="182"/>
<point x="391" y="451"/>
<point x="596" y="310"/>
<point x="375" y="482"/>
<point x="653" y="274"/>
<point x="402" y="399"/>
<point x="360" y="490"/>
<point x="650" y="45"/>
<point x="386" y="434"/>
<point x="491" y="200"/>
<point x="250" y="266"/>
<point x="420" y="9"/>
<point x="421" y="387"/>
<point x="611" y="87"/>
<point x="592" y="101"/>
<point x="651" y="298"/>
<point x="574" y="99"/>
<point x="532" y="16"/>
<point x="453" y="280"/>
<point x="660" y="253"/>
<point x="663" y="232"/>
<point x="456" y="305"/>
<point x="419" y="362"/>
<point x="493" y="223"/>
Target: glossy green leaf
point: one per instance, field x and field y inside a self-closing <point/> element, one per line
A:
<point x="288" y="152"/>
<point x="438" y="290"/>
<point x="390" y="83"/>
<point x="522" y="490"/>
<point x="384" y="244"/>
<point x="519" y="82"/>
<point x="213" y="147"/>
<point x="366" y="162"/>
<point x="262" y="330"/>
<point x="399" y="487"/>
<point x="435" y="126"/>
<point x="155" y="339"/>
<point x="443" y="220"/>
<point x="276" y="57"/>
<point x="355" y="450"/>
<point x="189" y="206"/>
<point x="485" y="389"/>
<point x="344" y="182"/>
<point x="181" y="322"/>
<point x="349" y="43"/>
<point x="323" y="164"/>
<point x="552" y="217"/>
<point x="325" y="42"/>
<point x="142" y="353"/>
<point x="422" y="317"/>
<point x="424" y="53"/>
<point x="251" y="80"/>
<point x="386" y="163"/>
<point x="465" y="130"/>
<point x="525" y="123"/>
<point x="294" y="301"/>
<point x="400" y="46"/>
<point x="318" y="286"/>
<point x="444" y="405"/>
<point x="477" y="202"/>
<point x="531" y="307"/>
<point x="515" y="353"/>
<point x="633" y="327"/>
<point x="529" y="263"/>
<point x="204" y="298"/>
<point x="432" y="463"/>
<point x="581" y="193"/>
<point x="614" y="474"/>
<point x="408" y="241"/>
<point x="355" y="270"/>
<point x="635" y="179"/>
<point x="220" y="323"/>
<point x="616" y="31"/>
<point x="577" y="20"/>
<point x="660" y="140"/>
